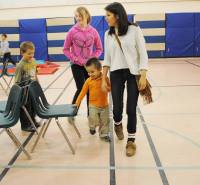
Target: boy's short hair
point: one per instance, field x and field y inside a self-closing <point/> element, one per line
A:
<point x="94" y="61"/>
<point x="24" y="46"/>
<point x="4" y="35"/>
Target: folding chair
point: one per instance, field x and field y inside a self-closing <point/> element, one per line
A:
<point x="5" y="72"/>
<point x="8" y="74"/>
<point x="10" y="116"/>
<point x="46" y="111"/>
<point x="1" y="77"/>
<point x="25" y="94"/>
<point x="2" y="106"/>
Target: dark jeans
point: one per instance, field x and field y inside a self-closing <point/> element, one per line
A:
<point x="80" y="76"/>
<point x="118" y="79"/>
<point x="25" y="123"/>
<point x="7" y="57"/>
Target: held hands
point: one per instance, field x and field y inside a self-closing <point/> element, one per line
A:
<point x="75" y="106"/>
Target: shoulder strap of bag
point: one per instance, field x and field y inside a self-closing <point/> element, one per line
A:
<point x="118" y="41"/>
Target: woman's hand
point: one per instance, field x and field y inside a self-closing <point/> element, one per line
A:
<point x="142" y="80"/>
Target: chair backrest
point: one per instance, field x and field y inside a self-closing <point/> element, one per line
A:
<point x="13" y="105"/>
<point x="6" y="71"/>
<point x="37" y="95"/>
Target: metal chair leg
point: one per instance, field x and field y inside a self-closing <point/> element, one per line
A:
<point x="38" y="137"/>
<point x="45" y="130"/>
<point x="4" y="89"/>
<point x="1" y="131"/>
<point x="9" y="83"/>
<point x="76" y="129"/>
<point x="65" y="136"/>
<point x="17" y="142"/>
<point x="6" y="83"/>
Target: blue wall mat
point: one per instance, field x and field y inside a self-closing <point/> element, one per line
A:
<point x="32" y="25"/>
<point x="180" y="35"/>
<point x="34" y="30"/>
<point x="98" y="23"/>
<point x="180" y="20"/>
<point x="197" y="34"/>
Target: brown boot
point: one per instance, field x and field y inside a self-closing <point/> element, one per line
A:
<point x="130" y="148"/>
<point x="119" y="131"/>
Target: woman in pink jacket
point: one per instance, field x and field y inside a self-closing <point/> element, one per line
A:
<point x="82" y="42"/>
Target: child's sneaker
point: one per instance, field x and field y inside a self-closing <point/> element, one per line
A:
<point x="106" y="138"/>
<point x="92" y="131"/>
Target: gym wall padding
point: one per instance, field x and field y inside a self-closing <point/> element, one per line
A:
<point x="98" y="23"/>
<point x="11" y="28"/>
<point x="57" y="29"/>
<point x="153" y="28"/>
<point x="197" y="35"/>
<point x="180" y="35"/>
<point x="34" y="30"/>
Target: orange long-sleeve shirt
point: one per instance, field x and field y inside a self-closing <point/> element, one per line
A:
<point x="97" y="97"/>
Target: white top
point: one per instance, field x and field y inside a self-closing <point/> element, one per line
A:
<point x="5" y="47"/>
<point x="134" y="55"/>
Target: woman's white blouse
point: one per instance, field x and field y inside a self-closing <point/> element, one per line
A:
<point x="134" y="55"/>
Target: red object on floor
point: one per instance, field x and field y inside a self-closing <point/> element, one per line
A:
<point x="51" y="64"/>
<point x="11" y="70"/>
<point x="45" y="71"/>
<point x="48" y="64"/>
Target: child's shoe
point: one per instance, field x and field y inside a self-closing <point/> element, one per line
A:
<point x="92" y="131"/>
<point x="106" y="138"/>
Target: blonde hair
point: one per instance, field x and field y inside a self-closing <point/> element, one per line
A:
<point x="84" y="12"/>
<point x="24" y="46"/>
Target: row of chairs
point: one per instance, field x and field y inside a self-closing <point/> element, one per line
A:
<point x="10" y="115"/>
<point x="6" y="72"/>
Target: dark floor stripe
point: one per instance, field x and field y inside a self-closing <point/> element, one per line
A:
<point x="56" y="78"/>
<point x="192" y="63"/>
<point x="14" y="158"/>
<point x="153" y="150"/>
<point x="112" y="148"/>
<point x="177" y="85"/>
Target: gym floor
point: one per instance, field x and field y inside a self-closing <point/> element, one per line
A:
<point x="168" y="142"/>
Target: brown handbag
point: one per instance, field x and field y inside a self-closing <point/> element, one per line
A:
<point x="146" y="93"/>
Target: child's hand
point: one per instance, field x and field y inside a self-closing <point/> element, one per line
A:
<point x="75" y="106"/>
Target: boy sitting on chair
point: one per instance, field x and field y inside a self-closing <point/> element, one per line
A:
<point x="26" y="71"/>
<point x="98" y="100"/>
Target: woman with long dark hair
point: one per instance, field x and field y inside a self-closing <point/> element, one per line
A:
<point x="125" y="57"/>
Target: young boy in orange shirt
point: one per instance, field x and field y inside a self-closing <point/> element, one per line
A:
<point x="98" y="100"/>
